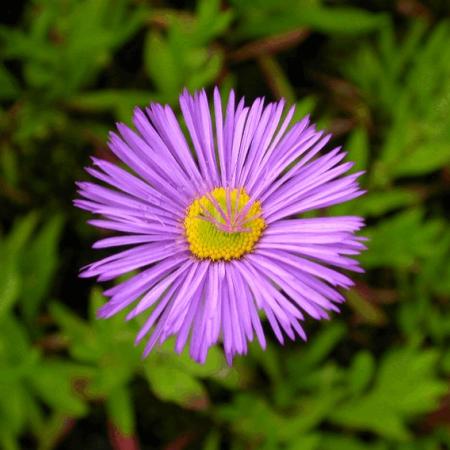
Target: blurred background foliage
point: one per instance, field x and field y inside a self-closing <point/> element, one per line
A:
<point x="374" y="72"/>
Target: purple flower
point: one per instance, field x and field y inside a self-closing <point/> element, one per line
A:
<point x="213" y="221"/>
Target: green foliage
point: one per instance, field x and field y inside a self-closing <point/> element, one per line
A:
<point x="9" y="88"/>
<point x="400" y="230"/>
<point x="182" y="58"/>
<point x="28" y="262"/>
<point x="119" y="406"/>
<point x="267" y="17"/>
<point x="374" y="378"/>
<point x="410" y="84"/>
<point x="405" y="386"/>
<point x="66" y="44"/>
<point x="28" y="379"/>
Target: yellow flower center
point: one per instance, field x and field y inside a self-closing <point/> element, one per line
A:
<point x="223" y="224"/>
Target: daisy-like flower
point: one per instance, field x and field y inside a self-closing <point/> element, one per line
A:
<point x="213" y="220"/>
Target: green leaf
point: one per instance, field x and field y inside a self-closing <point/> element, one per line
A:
<point x="19" y="236"/>
<point x="55" y="383"/>
<point x="161" y="64"/>
<point x="7" y="440"/>
<point x="212" y="441"/>
<point x="338" y="442"/>
<point x="122" y="102"/>
<point x="342" y="20"/>
<point x="319" y="348"/>
<point x="365" y="308"/>
<point x="9" y="288"/>
<point x="358" y="148"/>
<point x="377" y="203"/>
<point x="406" y="385"/>
<point x="39" y="263"/>
<point x="68" y="43"/>
<point x="361" y="372"/>
<point x="12" y="330"/>
<point x="409" y="81"/>
<point x="214" y="365"/>
<point x="13" y="407"/>
<point x="267" y="18"/>
<point x="120" y="409"/>
<point x="11" y="249"/>
<point x="9" y="88"/>
<point x="105" y="344"/>
<point x="9" y="165"/>
<point x="171" y="383"/>
<point x="251" y="416"/>
<point x="423" y="158"/>
<point x="211" y="21"/>
<point x="28" y="264"/>
<point x="436" y="272"/>
<point x="303" y="107"/>
<point x="307" y="442"/>
<point x="399" y="231"/>
<point x="313" y="410"/>
<point x="81" y="338"/>
<point x="204" y="73"/>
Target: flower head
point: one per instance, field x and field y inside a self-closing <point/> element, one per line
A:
<point x="213" y="221"/>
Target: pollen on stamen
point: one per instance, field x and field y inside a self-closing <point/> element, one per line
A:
<point x="216" y="229"/>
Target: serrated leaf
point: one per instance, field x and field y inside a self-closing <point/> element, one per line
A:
<point x="406" y="385"/>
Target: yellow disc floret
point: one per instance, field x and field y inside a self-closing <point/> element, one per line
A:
<point x="223" y="225"/>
